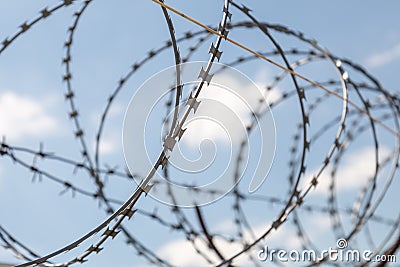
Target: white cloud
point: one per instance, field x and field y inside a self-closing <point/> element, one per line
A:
<point x="281" y="237"/>
<point x="384" y="57"/>
<point x="180" y="252"/>
<point x="263" y="78"/>
<point x="6" y="256"/>
<point x="226" y="110"/>
<point x="225" y="226"/>
<point x="115" y="111"/>
<point x="272" y="95"/>
<point x="355" y="171"/>
<point x="22" y="116"/>
<point x="106" y="147"/>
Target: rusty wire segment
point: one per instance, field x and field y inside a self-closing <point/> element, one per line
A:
<point x="364" y="111"/>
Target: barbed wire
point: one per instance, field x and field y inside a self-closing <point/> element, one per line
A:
<point x="366" y="108"/>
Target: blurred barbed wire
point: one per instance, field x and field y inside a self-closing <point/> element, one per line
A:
<point x="359" y="108"/>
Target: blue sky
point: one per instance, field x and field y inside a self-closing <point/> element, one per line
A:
<point x="110" y="38"/>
